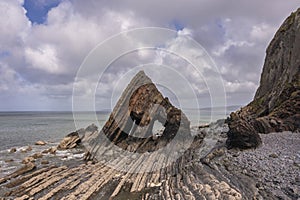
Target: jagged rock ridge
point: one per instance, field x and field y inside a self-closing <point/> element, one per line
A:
<point x="130" y="125"/>
<point x="276" y="104"/>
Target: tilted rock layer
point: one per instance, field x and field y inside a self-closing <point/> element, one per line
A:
<point x="131" y="123"/>
<point x="145" y="171"/>
<point x="276" y="104"/>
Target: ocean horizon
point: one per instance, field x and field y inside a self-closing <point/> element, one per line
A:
<point x="23" y="128"/>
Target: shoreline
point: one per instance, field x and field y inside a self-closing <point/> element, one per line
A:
<point x="239" y="169"/>
<point x="274" y="166"/>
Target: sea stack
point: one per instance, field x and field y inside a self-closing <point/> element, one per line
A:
<point x="130" y="125"/>
<point x="276" y="105"/>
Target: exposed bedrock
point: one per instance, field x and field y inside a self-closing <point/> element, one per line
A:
<point x="131" y="124"/>
<point x="276" y="105"/>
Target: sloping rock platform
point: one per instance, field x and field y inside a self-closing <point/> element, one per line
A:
<point x="127" y="159"/>
<point x="186" y="178"/>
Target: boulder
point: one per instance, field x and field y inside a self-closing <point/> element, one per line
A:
<point x="70" y="141"/>
<point x="29" y="148"/>
<point x="37" y="155"/>
<point x="45" y="151"/>
<point x="44" y="162"/>
<point x="12" y="150"/>
<point x="241" y="133"/>
<point x="40" y="142"/>
<point x="28" y="160"/>
<point x="52" y="150"/>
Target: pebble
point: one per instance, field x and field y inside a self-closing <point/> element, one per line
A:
<point x="274" y="163"/>
<point x="28" y="160"/>
<point x="40" y="143"/>
<point x="44" y="162"/>
<point x="273" y="155"/>
<point x="13" y="150"/>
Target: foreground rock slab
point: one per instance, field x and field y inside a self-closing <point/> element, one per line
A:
<point x="186" y="178"/>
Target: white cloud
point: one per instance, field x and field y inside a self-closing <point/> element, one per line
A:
<point x="221" y="50"/>
<point x="262" y="32"/>
<point x="13" y="24"/>
<point x="7" y="77"/>
<point x="42" y="59"/>
<point x="235" y="87"/>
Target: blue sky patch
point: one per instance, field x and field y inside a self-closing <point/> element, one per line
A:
<point x="37" y="10"/>
<point x="4" y="54"/>
<point x="178" y="25"/>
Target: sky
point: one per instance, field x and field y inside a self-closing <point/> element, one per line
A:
<point x="43" y="43"/>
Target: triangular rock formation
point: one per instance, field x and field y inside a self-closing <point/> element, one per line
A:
<point x="276" y="105"/>
<point x="130" y="125"/>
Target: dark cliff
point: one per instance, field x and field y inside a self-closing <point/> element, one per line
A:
<point x="276" y="105"/>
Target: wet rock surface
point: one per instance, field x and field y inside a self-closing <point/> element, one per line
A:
<point x="186" y="178"/>
<point x="207" y="170"/>
<point x="69" y="142"/>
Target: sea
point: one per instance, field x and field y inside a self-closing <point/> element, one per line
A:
<point x="22" y="129"/>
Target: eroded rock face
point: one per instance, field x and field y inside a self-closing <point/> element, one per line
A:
<point x="241" y="133"/>
<point x="276" y="104"/>
<point x="70" y="141"/>
<point x="130" y="125"/>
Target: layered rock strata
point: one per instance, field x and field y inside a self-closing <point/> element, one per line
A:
<point x="276" y="105"/>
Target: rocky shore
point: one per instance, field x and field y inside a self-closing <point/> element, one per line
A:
<point x="273" y="168"/>
<point x="208" y="170"/>
<point x="127" y="159"/>
<point x="276" y="105"/>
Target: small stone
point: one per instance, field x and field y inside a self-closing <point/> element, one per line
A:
<point x="29" y="148"/>
<point x="9" y="160"/>
<point x="273" y="155"/>
<point x="23" y="151"/>
<point x="52" y="150"/>
<point x="154" y="184"/>
<point x="40" y="143"/>
<point x="235" y="155"/>
<point x="44" y="162"/>
<point x="272" y="121"/>
<point x="228" y="167"/>
<point x="90" y="162"/>
<point x="13" y="150"/>
<point x="258" y="185"/>
<point x="37" y="155"/>
<point x="28" y="160"/>
<point x="45" y="151"/>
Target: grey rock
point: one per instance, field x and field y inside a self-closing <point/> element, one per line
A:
<point x="276" y="104"/>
